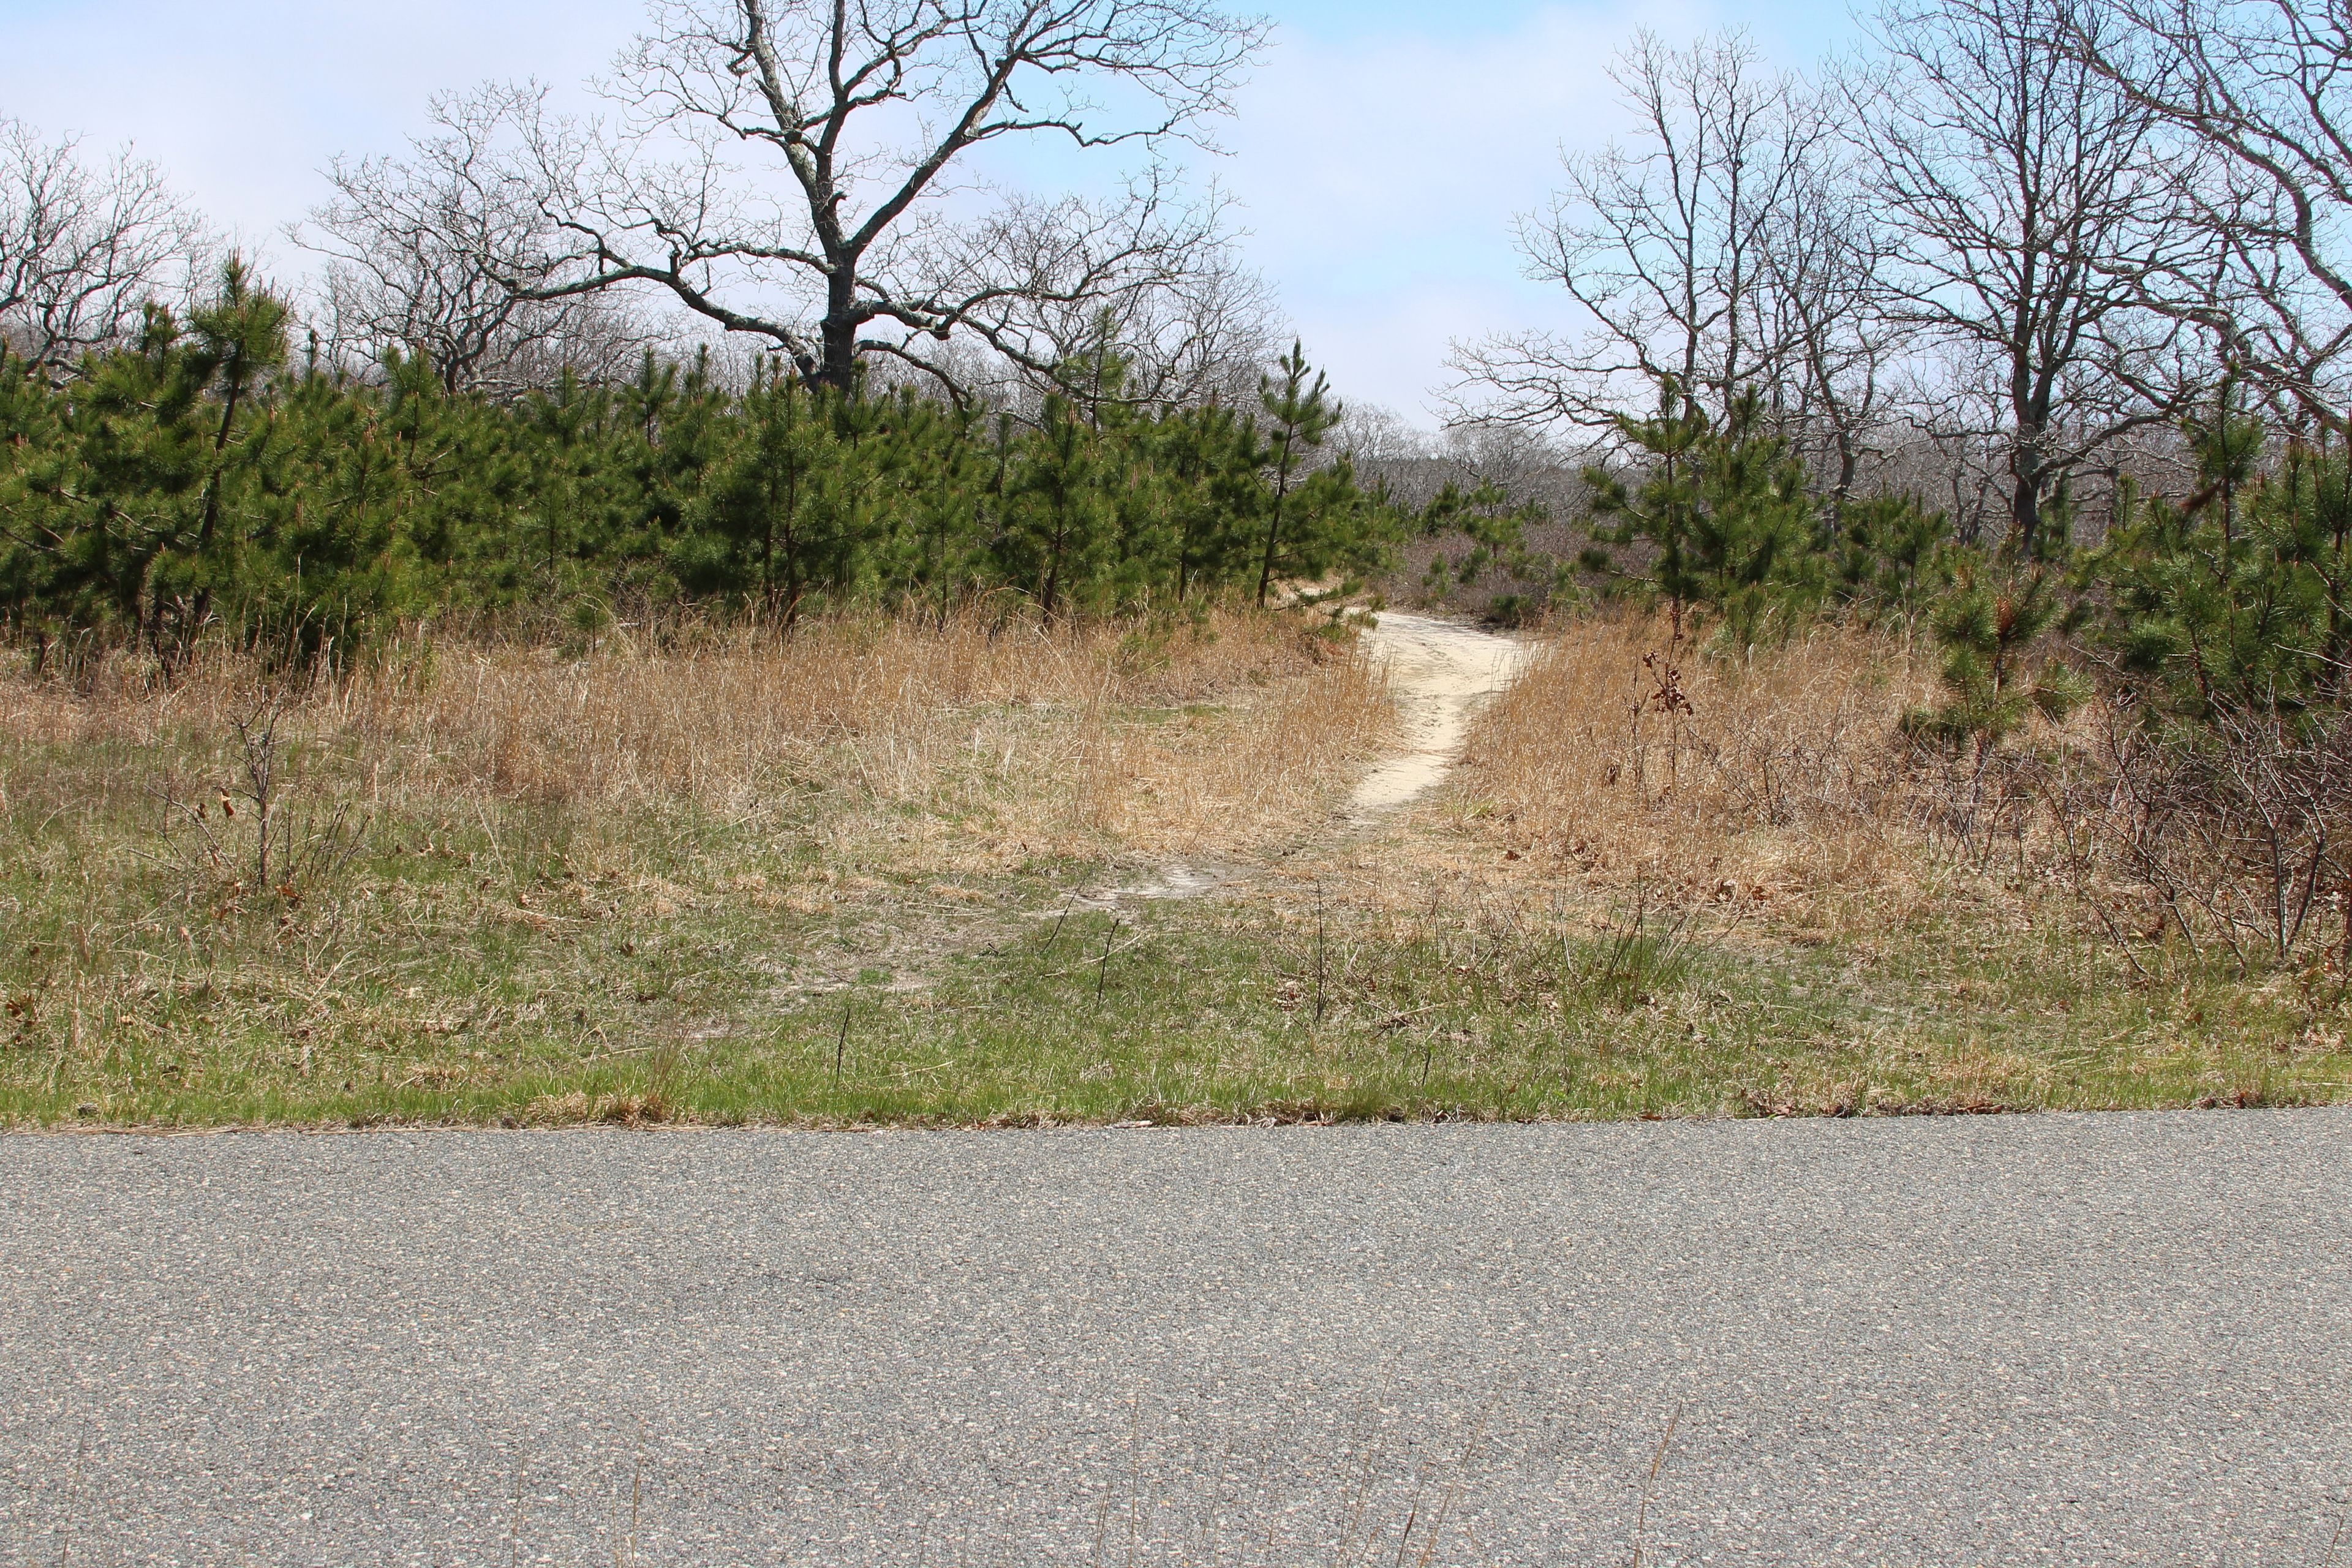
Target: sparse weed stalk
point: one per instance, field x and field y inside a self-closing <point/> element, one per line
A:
<point x="2229" y="840"/>
<point x="255" y="825"/>
<point x="1625" y="757"/>
<point x="1801" y="783"/>
<point x="1637" y="957"/>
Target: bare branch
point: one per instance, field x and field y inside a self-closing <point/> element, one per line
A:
<point x="2266" y="86"/>
<point x="2036" y="212"/>
<point x="83" y="250"/>
<point x="405" y="243"/>
<point x="865" y="109"/>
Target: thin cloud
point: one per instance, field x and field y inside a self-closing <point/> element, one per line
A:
<point x="243" y="103"/>
<point x="1380" y="179"/>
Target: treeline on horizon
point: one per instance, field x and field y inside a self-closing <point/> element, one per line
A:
<point x="208" y="478"/>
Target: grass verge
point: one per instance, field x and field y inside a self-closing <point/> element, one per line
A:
<point x="571" y="1002"/>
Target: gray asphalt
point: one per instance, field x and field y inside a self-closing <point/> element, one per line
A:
<point x="2046" y="1340"/>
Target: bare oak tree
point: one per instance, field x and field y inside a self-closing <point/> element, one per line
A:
<point x="405" y="244"/>
<point x="801" y="170"/>
<point x="1836" y="348"/>
<point x="1660" y="241"/>
<point x="2034" y="209"/>
<point x="1204" y="334"/>
<point x="2267" y="86"/>
<point x="83" y="248"/>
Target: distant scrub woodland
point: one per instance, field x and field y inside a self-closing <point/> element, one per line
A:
<point x="2024" y="324"/>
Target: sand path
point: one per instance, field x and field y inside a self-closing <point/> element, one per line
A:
<point x="1439" y="673"/>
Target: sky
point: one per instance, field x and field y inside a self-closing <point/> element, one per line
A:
<point x="1381" y="149"/>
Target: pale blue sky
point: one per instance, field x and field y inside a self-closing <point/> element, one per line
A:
<point x="1381" y="149"/>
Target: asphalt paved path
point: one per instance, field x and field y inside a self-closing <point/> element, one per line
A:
<point x="2046" y="1340"/>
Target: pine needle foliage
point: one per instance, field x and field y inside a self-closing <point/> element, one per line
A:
<point x="209" y="482"/>
<point x="2237" y="599"/>
<point x="1725" y="519"/>
<point x="1990" y="633"/>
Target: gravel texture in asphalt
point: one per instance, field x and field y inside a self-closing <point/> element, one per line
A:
<point x="2049" y="1339"/>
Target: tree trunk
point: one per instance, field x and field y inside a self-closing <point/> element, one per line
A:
<point x="2024" y="512"/>
<point x="838" y="369"/>
<point x="211" y="523"/>
<point x="1274" y="524"/>
<point x="1273" y="535"/>
<point x="2025" y="467"/>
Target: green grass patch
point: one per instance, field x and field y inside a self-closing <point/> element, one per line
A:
<point x="528" y="965"/>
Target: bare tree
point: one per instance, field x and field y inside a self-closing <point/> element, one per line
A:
<point x="83" y="249"/>
<point x="2034" y="210"/>
<point x="1662" y="242"/>
<point x="2267" y="86"/>
<point x="1823" y="299"/>
<point x="1374" y="437"/>
<point x="1204" y="334"/>
<point x="415" y="249"/>
<point x="865" y="112"/>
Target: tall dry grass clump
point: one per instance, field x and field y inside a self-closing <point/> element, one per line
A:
<point x="1628" y="761"/>
<point x="1627" y="754"/>
<point x="1048" y="737"/>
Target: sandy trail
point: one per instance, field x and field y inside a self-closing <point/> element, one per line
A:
<point x="1439" y="673"/>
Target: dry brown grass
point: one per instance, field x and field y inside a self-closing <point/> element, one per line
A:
<point x="1620" y="756"/>
<point x="1781" y="781"/>
<point x="717" y="875"/>
<point x="1030" y="740"/>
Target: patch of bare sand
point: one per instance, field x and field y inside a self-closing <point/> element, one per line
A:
<point x="1439" y="674"/>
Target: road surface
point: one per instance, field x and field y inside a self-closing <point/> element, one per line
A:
<point x="2031" y="1339"/>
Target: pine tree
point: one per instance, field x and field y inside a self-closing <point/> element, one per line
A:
<point x="240" y="339"/>
<point x="1060" y="510"/>
<point x="2241" y="597"/>
<point x="1894" y="556"/>
<point x="1300" y="416"/>
<point x="196" y="479"/>
<point x="1989" y="633"/>
<point x="1728" y="515"/>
